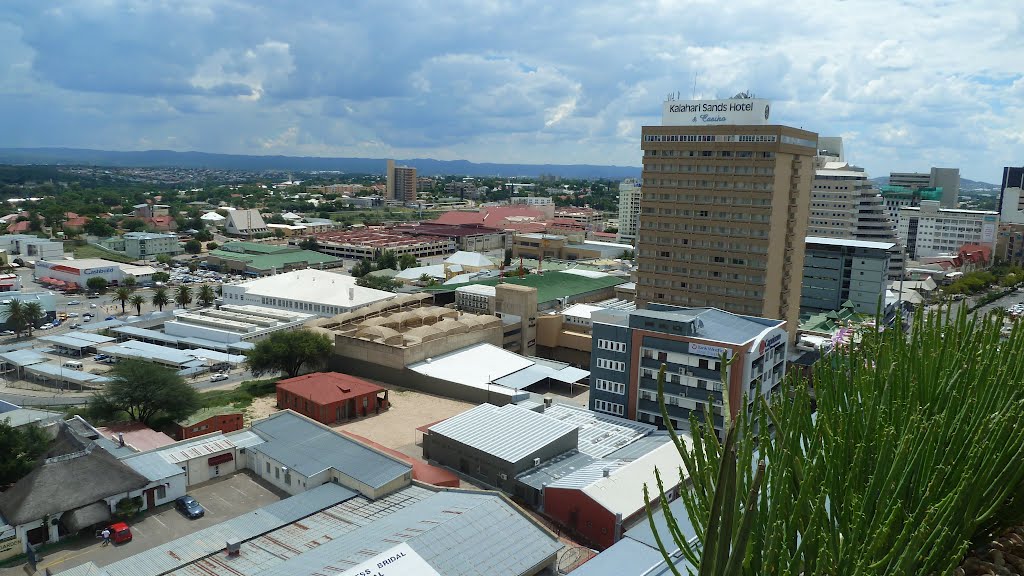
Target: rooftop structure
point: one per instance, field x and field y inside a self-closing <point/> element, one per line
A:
<point x="554" y="288"/>
<point x="233" y="323"/>
<point x="476" y="428"/>
<point x="309" y="291"/>
<point x="244" y="222"/>
<point x="263" y="259"/>
<point x="371" y="242"/>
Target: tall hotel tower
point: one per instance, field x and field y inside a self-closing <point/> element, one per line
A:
<point x="724" y="209"/>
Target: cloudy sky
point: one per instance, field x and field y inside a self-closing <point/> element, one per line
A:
<point x="908" y="85"/>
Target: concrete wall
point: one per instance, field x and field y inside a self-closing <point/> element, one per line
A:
<point x="398" y="358"/>
<point x="199" y="471"/>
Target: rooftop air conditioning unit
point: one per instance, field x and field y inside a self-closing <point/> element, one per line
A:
<point x="536" y="461"/>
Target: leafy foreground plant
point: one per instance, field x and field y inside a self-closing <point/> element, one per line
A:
<point x="913" y="455"/>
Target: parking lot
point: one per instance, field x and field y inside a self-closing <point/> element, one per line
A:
<point x="223" y="499"/>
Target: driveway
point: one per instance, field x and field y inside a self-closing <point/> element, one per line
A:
<point x="223" y="499"/>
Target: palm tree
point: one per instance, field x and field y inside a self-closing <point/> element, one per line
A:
<point x="33" y="313"/>
<point x="183" y="297"/>
<point x="16" y="316"/>
<point x="122" y="295"/>
<point x="160" y="298"/>
<point x="206" y="295"/>
<point x="137" y="300"/>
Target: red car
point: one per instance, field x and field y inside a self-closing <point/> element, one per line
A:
<point x="120" y="533"/>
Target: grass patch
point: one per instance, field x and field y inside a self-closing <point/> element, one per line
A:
<point x="90" y="251"/>
<point x="240" y="397"/>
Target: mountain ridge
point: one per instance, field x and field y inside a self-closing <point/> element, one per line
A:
<point x="192" y="159"/>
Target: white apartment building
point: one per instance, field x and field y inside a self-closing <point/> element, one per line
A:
<point x="148" y="245"/>
<point x="929" y="230"/>
<point x="629" y="210"/>
<point x="309" y="291"/>
<point x="533" y="200"/>
<point x="845" y="204"/>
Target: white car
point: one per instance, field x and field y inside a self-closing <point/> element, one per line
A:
<point x="72" y="314"/>
<point x="218" y="377"/>
<point x="92" y="305"/>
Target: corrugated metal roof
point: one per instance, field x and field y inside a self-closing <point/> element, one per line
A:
<point x="153" y="466"/>
<point x="202" y="543"/>
<point x="197" y="448"/>
<point x="509" y="433"/>
<point x="548" y="472"/>
<point x="244" y="438"/>
<point x="526" y="377"/>
<point x="458" y="534"/>
<point x="23" y="357"/>
<point x="22" y="416"/>
<point x="587" y="475"/>
<point x="600" y="434"/>
<point x="308" y="448"/>
<point x="274" y="548"/>
<point x="88" y="337"/>
<point x="622" y="491"/>
<point x="639" y="448"/>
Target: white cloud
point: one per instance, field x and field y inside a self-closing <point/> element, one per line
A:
<point x="911" y="84"/>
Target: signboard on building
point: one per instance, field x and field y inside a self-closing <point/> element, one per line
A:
<point x="709" y="351"/>
<point x="745" y="112"/>
<point x="988" y="230"/>
<point x="767" y="343"/>
<point x="401" y="560"/>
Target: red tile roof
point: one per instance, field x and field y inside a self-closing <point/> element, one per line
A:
<point x="137" y="435"/>
<point x="19" y="227"/>
<point x="327" y="387"/>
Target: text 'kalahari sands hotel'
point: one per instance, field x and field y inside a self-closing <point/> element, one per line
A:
<point x="724" y="209"/>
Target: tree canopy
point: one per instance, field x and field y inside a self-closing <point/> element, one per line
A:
<point x="96" y="284"/>
<point x="143" y="390"/>
<point x="378" y="282"/>
<point x="21" y="447"/>
<point x="288" y="352"/>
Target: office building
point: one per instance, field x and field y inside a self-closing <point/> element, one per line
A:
<point x="929" y="230"/>
<point x="845" y="204"/>
<point x="29" y="247"/>
<point x="629" y="210"/>
<point x="946" y="181"/>
<point x="1011" y="200"/>
<point x="630" y="347"/>
<point x="148" y="245"/>
<point x="724" y="209"/>
<point x="838" y="270"/>
<point x="401" y="183"/>
<point x="533" y="200"/>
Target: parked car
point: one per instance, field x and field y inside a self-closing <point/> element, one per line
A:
<point x="76" y="325"/>
<point x="120" y="533"/>
<point x="109" y="318"/>
<point x="189" y="507"/>
<point x="72" y="314"/>
<point x="74" y="302"/>
<point x="99" y="357"/>
<point x="109" y="360"/>
<point x="218" y="377"/>
<point x="92" y="305"/>
<point x="92" y="295"/>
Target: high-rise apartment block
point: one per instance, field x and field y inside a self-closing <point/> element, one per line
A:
<point x="846" y="205"/>
<point x="401" y="183"/>
<point x="942" y="183"/>
<point x="724" y="209"/>
<point x="629" y="210"/>
<point x="1010" y="241"/>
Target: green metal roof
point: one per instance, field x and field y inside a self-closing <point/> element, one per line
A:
<point x="197" y="417"/>
<point x="279" y="260"/>
<point x="256" y="248"/>
<point x="550" y="286"/>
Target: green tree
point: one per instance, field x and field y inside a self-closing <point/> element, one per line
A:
<point x="309" y="243"/>
<point x="193" y="266"/>
<point x="132" y="224"/>
<point x="130" y="282"/>
<point x="143" y="390"/>
<point x="387" y="259"/>
<point x="163" y="258"/>
<point x="626" y="255"/>
<point x="203" y="235"/>
<point x="206" y="296"/>
<point x="193" y="246"/>
<point x="362" y="268"/>
<point x="212" y="245"/>
<point x="288" y="352"/>
<point x="908" y="453"/>
<point x="34" y="314"/>
<point x="99" y="227"/>
<point x="160" y="298"/>
<point x="378" y="283"/>
<point x="508" y="257"/>
<point x="183" y="296"/>
<point x="161" y="277"/>
<point x="123" y="294"/>
<point x="96" y="284"/>
<point x="407" y="261"/>
<point x="278" y="233"/>
<point x="22" y="447"/>
<point x="137" y="300"/>
<point x="16" y="317"/>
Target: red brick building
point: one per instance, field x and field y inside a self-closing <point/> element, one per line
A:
<point x="330" y="397"/>
<point x="224" y="419"/>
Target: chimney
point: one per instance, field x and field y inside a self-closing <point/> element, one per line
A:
<point x="233" y="547"/>
<point x="548" y="400"/>
<point x="351" y="293"/>
<point x="607" y="472"/>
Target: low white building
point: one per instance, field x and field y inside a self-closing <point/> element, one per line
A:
<point x="309" y="291"/>
<point x="233" y="323"/>
<point x="80" y="271"/>
<point x="31" y="247"/>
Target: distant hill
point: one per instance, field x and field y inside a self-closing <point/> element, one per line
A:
<point x="424" y="166"/>
<point x="965" y="183"/>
